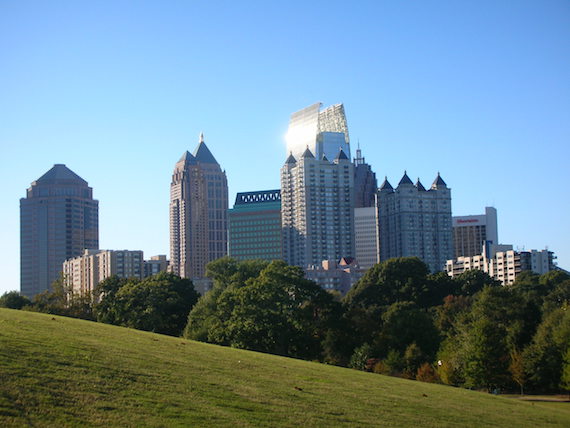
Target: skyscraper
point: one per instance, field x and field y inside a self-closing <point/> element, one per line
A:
<point x="365" y="184"/>
<point x="198" y="212"/>
<point x="255" y="226"/>
<point x="317" y="214"/>
<point x="324" y="132"/>
<point x="416" y="222"/>
<point x="58" y="220"/>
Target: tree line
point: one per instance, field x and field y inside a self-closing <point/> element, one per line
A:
<point x="398" y="319"/>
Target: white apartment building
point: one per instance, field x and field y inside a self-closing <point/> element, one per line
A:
<point x="503" y="263"/>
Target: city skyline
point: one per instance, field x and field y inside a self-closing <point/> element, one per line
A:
<point x="478" y="92"/>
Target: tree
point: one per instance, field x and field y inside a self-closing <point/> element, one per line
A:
<point x="204" y="321"/>
<point x="13" y="300"/>
<point x="565" y="379"/>
<point x="472" y="281"/>
<point x="486" y="356"/>
<point x="278" y="311"/>
<point x="159" y="303"/>
<point x="448" y="315"/>
<point x="403" y="325"/>
<point x="516" y="367"/>
<point x="544" y="356"/>
<point x="395" y="280"/>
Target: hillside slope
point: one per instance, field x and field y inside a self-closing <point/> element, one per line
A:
<point x="60" y="371"/>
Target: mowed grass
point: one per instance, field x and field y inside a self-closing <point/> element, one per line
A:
<point x="57" y="371"/>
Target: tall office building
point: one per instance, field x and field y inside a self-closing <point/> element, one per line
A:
<point x="198" y="212"/>
<point x="414" y="221"/>
<point x="323" y="132"/>
<point x="254" y="226"/>
<point x="470" y="232"/>
<point x="58" y="220"/>
<point x="365" y="184"/>
<point x="317" y="212"/>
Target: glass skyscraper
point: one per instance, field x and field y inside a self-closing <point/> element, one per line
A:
<point x="323" y="132"/>
<point x="58" y="220"/>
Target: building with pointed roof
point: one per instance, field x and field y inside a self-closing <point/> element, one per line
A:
<point x="317" y="215"/>
<point x="59" y="219"/>
<point x="365" y="184"/>
<point x="198" y="213"/>
<point x="413" y="221"/>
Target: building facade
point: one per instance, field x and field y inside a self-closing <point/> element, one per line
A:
<point x="317" y="213"/>
<point x="503" y="263"/>
<point x="472" y="231"/>
<point x="335" y="275"/>
<point x="366" y="237"/>
<point x="58" y="220"/>
<point x="155" y="264"/>
<point x="198" y="213"/>
<point x="415" y="222"/>
<point x="83" y="273"/>
<point x="254" y="226"/>
<point x="365" y="183"/>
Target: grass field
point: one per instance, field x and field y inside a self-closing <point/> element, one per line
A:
<point x="57" y="371"/>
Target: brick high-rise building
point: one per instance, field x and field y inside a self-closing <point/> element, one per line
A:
<point x="58" y="220"/>
<point x="198" y="213"/>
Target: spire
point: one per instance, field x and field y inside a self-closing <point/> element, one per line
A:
<point x="405" y="180"/>
<point x="438" y="182"/>
<point x="341" y="156"/>
<point x="291" y="159"/>
<point x="325" y="158"/>
<point x="386" y="185"/>
<point x="307" y="154"/>
<point x="420" y="186"/>
<point x="359" y="160"/>
<point x="203" y="154"/>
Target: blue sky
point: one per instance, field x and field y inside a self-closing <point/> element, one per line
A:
<point x="118" y="90"/>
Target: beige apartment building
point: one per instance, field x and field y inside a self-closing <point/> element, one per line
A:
<point x="83" y="273"/>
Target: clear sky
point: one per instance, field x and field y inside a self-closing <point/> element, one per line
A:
<point x="118" y="90"/>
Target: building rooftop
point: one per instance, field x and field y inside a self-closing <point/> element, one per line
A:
<point x="60" y="174"/>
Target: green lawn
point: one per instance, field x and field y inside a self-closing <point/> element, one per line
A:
<point x="57" y="371"/>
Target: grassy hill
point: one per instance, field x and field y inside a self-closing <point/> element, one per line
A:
<point x="57" y="371"/>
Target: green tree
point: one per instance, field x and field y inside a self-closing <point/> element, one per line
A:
<point x="544" y="356"/>
<point x="404" y="324"/>
<point x="276" y="311"/>
<point x="205" y="321"/>
<point x="395" y="280"/>
<point x="108" y="309"/>
<point x="13" y="300"/>
<point x="517" y="369"/>
<point x="565" y="379"/>
<point x="472" y="281"/>
<point x="486" y="356"/>
<point x="159" y="303"/>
